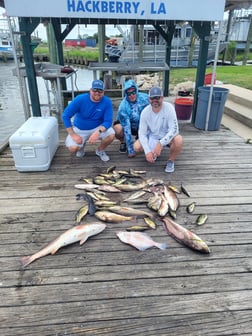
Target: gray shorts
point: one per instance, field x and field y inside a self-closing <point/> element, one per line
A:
<point x="85" y="134"/>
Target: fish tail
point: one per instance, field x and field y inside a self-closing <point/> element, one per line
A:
<point x="162" y="246"/>
<point x="24" y="261"/>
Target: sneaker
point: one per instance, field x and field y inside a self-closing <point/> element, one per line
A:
<point x="169" y="167"/>
<point x="80" y="153"/>
<point x="103" y="156"/>
<point x="123" y="148"/>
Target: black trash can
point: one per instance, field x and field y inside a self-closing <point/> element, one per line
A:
<point x="219" y="98"/>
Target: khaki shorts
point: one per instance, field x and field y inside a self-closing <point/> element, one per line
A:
<point x="85" y="134"/>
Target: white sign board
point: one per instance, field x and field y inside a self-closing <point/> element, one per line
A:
<point x="197" y="10"/>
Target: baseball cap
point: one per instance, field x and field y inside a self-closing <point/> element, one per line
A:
<point x="155" y="91"/>
<point x="97" y="84"/>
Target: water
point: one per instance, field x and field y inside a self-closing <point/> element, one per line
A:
<point x="12" y="114"/>
<point x="11" y="108"/>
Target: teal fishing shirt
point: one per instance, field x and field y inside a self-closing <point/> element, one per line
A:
<point x="129" y="113"/>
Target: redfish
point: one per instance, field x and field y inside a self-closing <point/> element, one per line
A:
<point x="184" y="236"/>
<point x="139" y="240"/>
<point x="77" y="233"/>
<point x="108" y="216"/>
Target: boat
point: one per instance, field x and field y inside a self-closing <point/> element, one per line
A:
<point x="6" y="48"/>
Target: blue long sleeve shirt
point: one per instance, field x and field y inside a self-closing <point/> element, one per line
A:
<point x="88" y="114"/>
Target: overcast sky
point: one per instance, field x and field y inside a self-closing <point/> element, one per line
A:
<point x="88" y="30"/>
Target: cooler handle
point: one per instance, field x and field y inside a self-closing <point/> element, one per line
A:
<point x="28" y="152"/>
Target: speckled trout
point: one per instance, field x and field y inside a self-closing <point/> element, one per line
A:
<point x="77" y="233"/>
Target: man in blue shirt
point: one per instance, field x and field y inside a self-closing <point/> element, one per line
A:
<point x="127" y="121"/>
<point x="92" y="115"/>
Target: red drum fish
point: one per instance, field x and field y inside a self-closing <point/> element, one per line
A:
<point x="108" y="216"/>
<point x="77" y="233"/>
<point x="184" y="236"/>
<point x="139" y="240"/>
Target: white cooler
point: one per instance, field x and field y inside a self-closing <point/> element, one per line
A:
<point x="34" y="144"/>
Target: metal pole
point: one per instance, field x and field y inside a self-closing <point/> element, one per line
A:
<point x="213" y="76"/>
<point x="26" y="108"/>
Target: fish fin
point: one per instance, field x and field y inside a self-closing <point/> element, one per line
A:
<point x="55" y="250"/>
<point x="24" y="261"/>
<point x="143" y="248"/>
<point x="82" y="241"/>
<point x="162" y="246"/>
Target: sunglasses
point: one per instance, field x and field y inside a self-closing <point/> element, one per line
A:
<point x="97" y="90"/>
<point x="155" y="98"/>
<point x="130" y="93"/>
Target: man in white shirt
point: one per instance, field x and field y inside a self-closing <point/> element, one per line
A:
<point x="158" y="128"/>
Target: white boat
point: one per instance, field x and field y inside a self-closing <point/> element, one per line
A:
<point x="6" y="48"/>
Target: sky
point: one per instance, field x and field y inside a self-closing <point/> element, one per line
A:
<point x="82" y="30"/>
<point x="88" y="30"/>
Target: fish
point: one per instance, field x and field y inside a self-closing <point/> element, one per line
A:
<point x="139" y="240"/>
<point x="105" y="203"/>
<point x="171" y="198"/>
<point x="134" y="171"/>
<point x="173" y="214"/>
<point x="184" y="190"/>
<point x="154" y="181"/>
<point x="110" y="169"/>
<point x="81" y="213"/>
<point x="154" y="202"/>
<point x="122" y="172"/>
<point x="126" y="211"/>
<point x="190" y="207"/>
<point x="201" y="219"/>
<point x="135" y="195"/>
<point x="101" y="197"/>
<point x="137" y="201"/>
<point x="138" y="228"/>
<point x="184" y="236"/>
<point x="108" y="216"/>
<point x="132" y="187"/>
<point x="109" y="188"/>
<point x="100" y="180"/>
<point x="86" y="186"/>
<point x="77" y="233"/>
<point x="120" y="181"/>
<point x="174" y="188"/>
<point x="91" y="205"/>
<point x="87" y="180"/>
<point x="150" y="222"/>
<point x="164" y="206"/>
<point x="91" y="194"/>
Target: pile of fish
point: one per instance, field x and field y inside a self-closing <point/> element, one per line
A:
<point x="161" y="199"/>
<point x="161" y="203"/>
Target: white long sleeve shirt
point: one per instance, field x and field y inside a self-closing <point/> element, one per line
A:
<point x="162" y="125"/>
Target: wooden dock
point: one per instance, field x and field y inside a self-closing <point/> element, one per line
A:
<point x="105" y="287"/>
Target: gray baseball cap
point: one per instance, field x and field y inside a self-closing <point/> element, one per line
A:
<point x="155" y="91"/>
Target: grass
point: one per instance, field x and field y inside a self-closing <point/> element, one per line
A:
<point x="236" y="75"/>
<point x="88" y="53"/>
